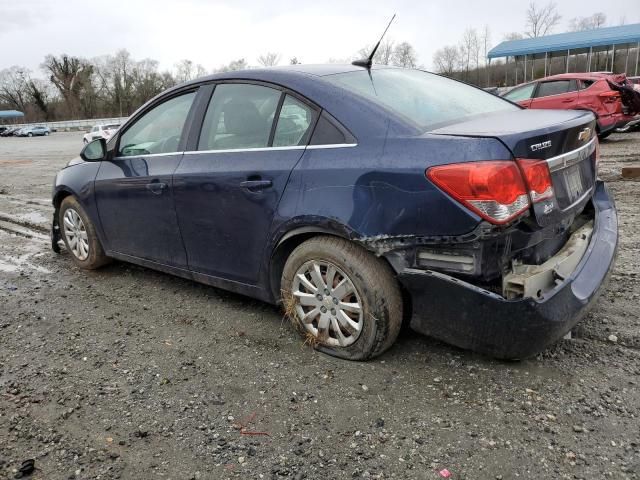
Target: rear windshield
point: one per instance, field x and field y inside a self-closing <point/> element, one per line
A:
<point x="425" y="99"/>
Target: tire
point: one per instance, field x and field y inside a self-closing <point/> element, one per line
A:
<point x="46" y="134"/>
<point x="29" y="134"/>
<point x="87" y="254"/>
<point x="374" y="325"/>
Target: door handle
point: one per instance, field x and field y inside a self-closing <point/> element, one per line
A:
<point x="567" y="100"/>
<point x="256" y="184"/>
<point x="156" y="187"/>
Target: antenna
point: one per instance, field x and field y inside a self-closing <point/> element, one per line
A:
<point x="367" y="62"/>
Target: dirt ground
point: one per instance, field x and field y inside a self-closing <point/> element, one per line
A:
<point x="129" y="373"/>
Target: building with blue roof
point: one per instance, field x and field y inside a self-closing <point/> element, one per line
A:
<point x="615" y="41"/>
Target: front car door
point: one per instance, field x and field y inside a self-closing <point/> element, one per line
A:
<point x="227" y="189"/>
<point x="556" y="94"/>
<point x="133" y="191"/>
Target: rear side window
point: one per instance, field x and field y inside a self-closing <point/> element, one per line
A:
<point x="239" y="116"/>
<point x="586" y="84"/>
<point x="521" y="93"/>
<point x="556" y="87"/>
<point x="294" y="123"/>
<point x="328" y="133"/>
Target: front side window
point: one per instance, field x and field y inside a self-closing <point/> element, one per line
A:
<point x="521" y="93"/>
<point x="159" y="130"/>
<point x="239" y="116"/>
<point x="425" y="99"/>
<point x="294" y="123"/>
<point x="553" y="88"/>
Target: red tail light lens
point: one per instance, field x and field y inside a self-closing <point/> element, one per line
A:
<point x="494" y="190"/>
<point x="538" y="179"/>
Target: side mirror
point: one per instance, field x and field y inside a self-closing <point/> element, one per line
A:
<point x="94" y="151"/>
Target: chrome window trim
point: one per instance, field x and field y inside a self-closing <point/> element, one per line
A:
<point x="571" y="158"/>
<point x="124" y="157"/>
<point x="332" y="145"/>
<point x="268" y="149"/>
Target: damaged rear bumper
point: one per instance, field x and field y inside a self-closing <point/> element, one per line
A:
<point x="470" y="317"/>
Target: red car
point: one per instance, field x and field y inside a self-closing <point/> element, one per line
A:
<point x="579" y="91"/>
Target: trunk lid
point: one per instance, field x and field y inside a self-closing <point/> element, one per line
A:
<point x="565" y="139"/>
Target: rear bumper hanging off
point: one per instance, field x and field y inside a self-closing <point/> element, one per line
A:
<point x="470" y="317"/>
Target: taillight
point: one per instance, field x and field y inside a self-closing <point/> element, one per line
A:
<point x="495" y="190"/>
<point x="538" y="178"/>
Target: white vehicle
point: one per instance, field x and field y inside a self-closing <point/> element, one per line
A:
<point x="100" y="131"/>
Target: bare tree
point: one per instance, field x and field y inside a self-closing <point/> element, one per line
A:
<point x="384" y="54"/>
<point x="239" y="64"/>
<point x="404" y="55"/>
<point x="541" y="19"/>
<point x="72" y="77"/>
<point x="14" y="87"/>
<point x="513" y="36"/>
<point x="447" y="60"/>
<point x="485" y="40"/>
<point x="470" y="49"/>
<point x="184" y="70"/>
<point x="597" y="20"/>
<point x="269" y="59"/>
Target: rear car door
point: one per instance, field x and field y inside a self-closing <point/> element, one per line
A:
<point x="133" y="191"/>
<point x="227" y="189"/>
<point x="557" y="94"/>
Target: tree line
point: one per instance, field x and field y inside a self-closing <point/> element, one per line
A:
<point x="116" y="85"/>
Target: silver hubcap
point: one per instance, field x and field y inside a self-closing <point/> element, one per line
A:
<point x="76" y="234"/>
<point x="327" y="304"/>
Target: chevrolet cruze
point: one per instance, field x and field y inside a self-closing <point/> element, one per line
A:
<point x="358" y="199"/>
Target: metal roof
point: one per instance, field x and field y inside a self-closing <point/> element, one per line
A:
<point x="624" y="34"/>
<point x="10" y="114"/>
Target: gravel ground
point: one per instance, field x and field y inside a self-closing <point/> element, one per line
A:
<point x="129" y="373"/>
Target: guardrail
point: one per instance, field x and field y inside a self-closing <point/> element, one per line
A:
<point x="67" y="125"/>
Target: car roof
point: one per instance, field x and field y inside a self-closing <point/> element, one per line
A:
<point x="286" y="72"/>
<point x="577" y="76"/>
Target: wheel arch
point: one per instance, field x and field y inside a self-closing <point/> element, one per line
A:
<point x="287" y="243"/>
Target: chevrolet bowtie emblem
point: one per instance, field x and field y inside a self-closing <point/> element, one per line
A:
<point x="585" y="134"/>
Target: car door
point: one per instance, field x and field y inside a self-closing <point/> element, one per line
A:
<point x="133" y="191"/>
<point x="556" y="94"/>
<point x="227" y="189"/>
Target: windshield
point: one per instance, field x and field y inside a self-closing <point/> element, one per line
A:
<point x="423" y="98"/>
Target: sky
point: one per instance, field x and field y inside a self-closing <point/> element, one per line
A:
<point x="215" y="32"/>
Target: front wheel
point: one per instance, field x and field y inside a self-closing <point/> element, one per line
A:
<point x="343" y="300"/>
<point x="80" y="236"/>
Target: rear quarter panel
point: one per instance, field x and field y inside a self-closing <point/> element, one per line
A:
<point x="380" y="189"/>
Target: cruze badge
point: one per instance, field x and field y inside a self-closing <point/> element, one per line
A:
<point x="540" y="146"/>
<point x="585" y="134"/>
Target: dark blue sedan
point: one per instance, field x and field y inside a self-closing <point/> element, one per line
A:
<point x="357" y="199"/>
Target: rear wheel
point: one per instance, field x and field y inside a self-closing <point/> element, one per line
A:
<point x="29" y="134"/>
<point x="79" y="235"/>
<point x="343" y="300"/>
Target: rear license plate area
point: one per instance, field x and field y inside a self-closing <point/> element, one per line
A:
<point x="573" y="182"/>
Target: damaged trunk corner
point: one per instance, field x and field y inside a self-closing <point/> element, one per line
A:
<point x="533" y="281"/>
<point x="520" y="261"/>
